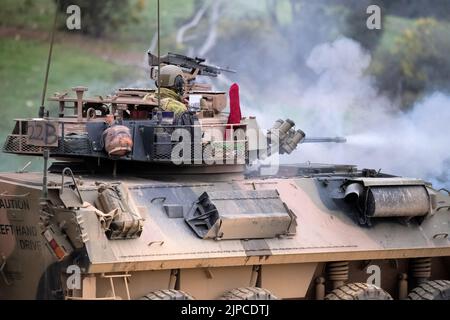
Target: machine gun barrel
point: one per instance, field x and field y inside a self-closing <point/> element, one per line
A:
<point x="188" y="63"/>
<point x="289" y="138"/>
<point x="324" y="140"/>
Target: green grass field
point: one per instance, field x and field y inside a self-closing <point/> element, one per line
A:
<point x="22" y="66"/>
<point x="23" y="61"/>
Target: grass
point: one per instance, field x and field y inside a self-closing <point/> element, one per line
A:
<point x="22" y="67"/>
<point x="23" y="62"/>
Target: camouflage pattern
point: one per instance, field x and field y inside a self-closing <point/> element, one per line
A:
<point x="170" y="100"/>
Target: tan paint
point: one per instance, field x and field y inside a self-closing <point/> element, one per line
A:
<point x="198" y="283"/>
<point x="274" y="259"/>
<point x="288" y="280"/>
<point x="139" y="284"/>
<point x="402" y="285"/>
<point x="209" y="268"/>
<point x="8" y="242"/>
<point x="20" y="250"/>
<point x="313" y="242"/>
<point x="89" y="287"/>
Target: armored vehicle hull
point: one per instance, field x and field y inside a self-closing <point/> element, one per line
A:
<point x="155" y="197"/>
<point x="295" y="235"/>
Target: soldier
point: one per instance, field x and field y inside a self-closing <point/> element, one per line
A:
<point x="171" y="90"/>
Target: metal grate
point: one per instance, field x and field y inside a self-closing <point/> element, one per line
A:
<point x="74" y="144"/>
<point x="223" y="152"/>
<point x="202" y="152"/>
<point x="18" y="144"/>
<point x="70" y="145"/>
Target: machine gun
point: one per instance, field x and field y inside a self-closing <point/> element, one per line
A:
<point x="283" y="136"/>
<point x="196" y="65"/>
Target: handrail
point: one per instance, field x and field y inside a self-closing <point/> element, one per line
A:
<point x="74" y="182"/>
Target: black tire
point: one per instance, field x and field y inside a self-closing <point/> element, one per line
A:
<point x="50" y="285"/>
<point x="167" y="295"/>
<point x="358" y="291"/>
<point x="431" y="290"/>
<point x="249" y="293"/>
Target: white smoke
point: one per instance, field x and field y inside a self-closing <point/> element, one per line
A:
<point x="344" y="101"/>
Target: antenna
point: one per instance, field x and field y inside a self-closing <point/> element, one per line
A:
<point x="159" y="60"/>
<point x="46" y="152"/>
<point x="24" y="167"/>
<point x="49" y="58"/>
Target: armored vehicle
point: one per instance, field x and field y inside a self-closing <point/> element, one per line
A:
<point x="141" y="201"/>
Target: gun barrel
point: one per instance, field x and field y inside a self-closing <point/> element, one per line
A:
<point x="188" y="63"/>
<point x="325" y="140"/>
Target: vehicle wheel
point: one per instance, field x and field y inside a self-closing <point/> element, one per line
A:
<point x="167" y="295"/>
<point x="358" y="291"/>
<point x="431" y="290"/>
<point x="250" y="293"/>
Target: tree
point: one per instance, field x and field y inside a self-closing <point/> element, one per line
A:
<point x="438" y="9"/>
<point x="418" y="63"/>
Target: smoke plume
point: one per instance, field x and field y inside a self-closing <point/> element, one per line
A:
<point x="344" y="101"/>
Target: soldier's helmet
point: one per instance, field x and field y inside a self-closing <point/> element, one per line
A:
<point x="171" y="77"/>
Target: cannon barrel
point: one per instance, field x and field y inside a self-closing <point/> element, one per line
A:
<point x="324" y="140"/>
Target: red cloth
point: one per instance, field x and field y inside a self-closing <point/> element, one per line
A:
<point x="235" y="109"/>
<point x="235" y="106"/>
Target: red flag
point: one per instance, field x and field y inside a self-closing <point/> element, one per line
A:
<point x="235" y="108"/>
